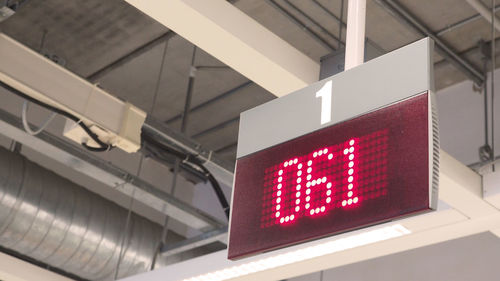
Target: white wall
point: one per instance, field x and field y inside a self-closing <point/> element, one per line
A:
<point x="461" y="120"/>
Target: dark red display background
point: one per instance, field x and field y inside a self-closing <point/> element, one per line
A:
<point x="407" y="180"/>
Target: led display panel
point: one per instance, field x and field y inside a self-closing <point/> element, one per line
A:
<point x="367" y="170"/>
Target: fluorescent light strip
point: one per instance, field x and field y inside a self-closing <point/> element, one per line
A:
<point x="318" y="250"/>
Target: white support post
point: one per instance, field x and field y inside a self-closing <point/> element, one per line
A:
<point x="355" y="37"/>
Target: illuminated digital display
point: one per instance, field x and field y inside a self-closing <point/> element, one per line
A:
<point x="325" y="179"/>
<point x="363" y="171"/>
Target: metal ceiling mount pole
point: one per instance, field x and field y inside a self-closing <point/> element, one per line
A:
<point x="189" y="95"/>
<point x="485" y="150"/>
<point x="341" y="21"/>
<point x="355" y="35"/>
<point x="494" y="21"/>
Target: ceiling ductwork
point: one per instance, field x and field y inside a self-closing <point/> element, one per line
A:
<point x="50" y="219"/>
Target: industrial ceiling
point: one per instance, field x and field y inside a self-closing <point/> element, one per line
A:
<point x="92" y="36"/>
<point x="139" y="60"/>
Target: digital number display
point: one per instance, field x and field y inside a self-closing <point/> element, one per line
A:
<point x="325" y="179"/>
<point x="367" y="170"/>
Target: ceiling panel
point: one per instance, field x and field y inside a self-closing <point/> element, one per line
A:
<point x="87" y="34"/>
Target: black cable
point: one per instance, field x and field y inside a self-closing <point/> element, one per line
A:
<point x="165" y="158"/>
<point x="92" y="135"/>
<point x="215" y="186"/>
<point x="193" y="160"/>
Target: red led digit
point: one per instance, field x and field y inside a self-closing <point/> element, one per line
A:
<point x="318" y="193"/>
<point x="350" y="173"/>
<point x="287" y="191"/>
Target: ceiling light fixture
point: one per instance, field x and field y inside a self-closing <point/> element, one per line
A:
<point x="310" y="252"/>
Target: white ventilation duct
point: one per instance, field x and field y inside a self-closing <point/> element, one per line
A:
<point x="53" y="220"/>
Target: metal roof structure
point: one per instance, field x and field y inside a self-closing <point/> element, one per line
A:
<point x="137" y="59"/>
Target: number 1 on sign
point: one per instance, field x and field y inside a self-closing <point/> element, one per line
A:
<point x="325" y="93"/>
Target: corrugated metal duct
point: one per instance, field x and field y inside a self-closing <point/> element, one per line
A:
<point x="53" y="220"/>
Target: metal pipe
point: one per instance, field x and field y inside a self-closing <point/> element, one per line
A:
<point x="461" y="23"/>
<point x="51" y="219"/>
<point x="485" y="12"/>
<point x="227" y="147"/>
<point x="216" y="127"/>
<point x="158" y="81"/>
<point x="294" y="19"/>
<point x="212" y="67"/>
<point x="96" y="75"/>
<point x="485" y="90"/>
<point x="309" y="18"/>
<point x="341" y="21"/>
<point x="211" y="101"/>
<point x="355" y="34"/>
<point x="189" y="94"/>
<point x="398" y="11"/>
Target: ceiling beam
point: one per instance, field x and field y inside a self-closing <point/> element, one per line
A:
<point x="462" y="188"/>
<point x="237" y="40"/>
